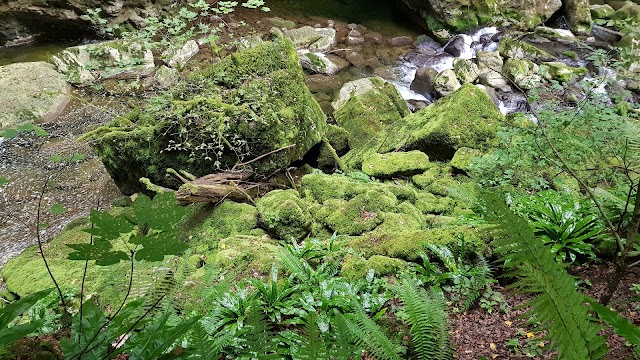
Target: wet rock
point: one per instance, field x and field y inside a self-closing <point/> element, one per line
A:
<point x="355" y="33"/>
<point x="354" y="40"/>
<point x="559" y="35"/>
<point x="605" y="34"/>
<point x="604" y="11"/>
<point x="386" y="56"/>
<point x="282" y="23"/>
<point x="115" y="59"/>
<point x="304" y="36"/>
<point x="466" y="70"/>
<point x="374" y="38"/>
<point x="523" y="72"/>
<point x="184" y="54"/>
<point x="423" y="82"/>
<point x="14" y="33"/>
<point x="561" y="72"/>
<point x="30" y="92"/>
<point x="516" y="49"/>
<point x="326" y="41"/>
<point x="460" y="47"/>
<point x="513" y="102"/>
<point x="321" y="63"/>
<point x="579" y="15"/>
<point x="446" y="82"/>
<point x="357" y="60"/>
<point x="490" y="66"/>
<point x="491" y="92"/>
<point x="400" y="41"/>
<point x="426" y="44"/>
<point x="438" y="62"/>
<point x="166" y="77"/>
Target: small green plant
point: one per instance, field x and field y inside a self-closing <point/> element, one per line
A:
<point x="566" y="225"/>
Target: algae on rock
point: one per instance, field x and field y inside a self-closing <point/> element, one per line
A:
<point x="249" y="104"/>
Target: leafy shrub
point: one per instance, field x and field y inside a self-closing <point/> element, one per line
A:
<point x="566" y="225"/>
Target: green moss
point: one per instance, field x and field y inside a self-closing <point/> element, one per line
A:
<point x="442" y="184"/>
<point x="356" y="268"/>
<point x="408" y="245"/>
<point x="425" y="179"/>
<point x="570" y="54"/>
<point x="516" y="49"/>
<point x="226" y="219"/>
<point x="462" y="158"/>
<point x="361" y="214"/>
<point x="561" y="72"/>
<point x="428" y="203"/>
<point x="256" y="96"/>
<point x="465" y="118"/>
<point x="399" y="222"/>
<point x="247" y="254"/>
<point x="322" y="187"/>
<point x="366" y="114"/>
<point x="601" y="11"/>
<point x="284" y="214"/>
<point x="396" y="164"/>
<point x="339" y="140"/>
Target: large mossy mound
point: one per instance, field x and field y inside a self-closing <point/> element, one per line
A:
<point x="248" y="104"/>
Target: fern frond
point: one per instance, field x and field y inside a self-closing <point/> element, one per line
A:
<point x="370" y="335"/>
<point x="258" y="339"/>
<point x="343" y="345"/>
<point x="428" y="319"/>
<point x="312" y="344"/>
<point x="557" y="304"/>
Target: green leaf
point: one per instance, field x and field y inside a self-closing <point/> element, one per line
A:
<point x="78" y="157"/>
<point x="3" y="181"/>
<point x="158" y="245"/>
<point x="56" y="158"/>
<point x="58" y="209"/>
<point x="15" y="309"/>
<point x="620" y="325"/>
<point x="83" y="332"/>
<point x="100" y="251"/>
<point x="109" y="227"/>
<point x="9" y="133"/>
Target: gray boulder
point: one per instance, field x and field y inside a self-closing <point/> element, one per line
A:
<point x="31" y="91"/>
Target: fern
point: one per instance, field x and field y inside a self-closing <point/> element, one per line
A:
<point x="343" y="347"/>
<point x="258" y="339"/>
<point x="620" y="325"/>
<point x="206" y="347"/>
<point x="428" y="319"/>
<point x="312" y="344"/>
<point x="365" y="331"/>
<point x="557" y="303"/>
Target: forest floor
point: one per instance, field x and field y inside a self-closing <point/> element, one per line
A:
<point x="478" y="334"/>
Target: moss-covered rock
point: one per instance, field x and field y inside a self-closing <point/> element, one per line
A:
<point x="517" y="49"/>
<point x="522" y="72"/>
<point x="356" y="268"/>
<point x="247" y="254"/>
<point x="428" y="203"/>
<point x="578" y="15"/>
<point x="629" y="12"/>
<point x="603" y="11"/>
<point x="322" y="187"/>
<point x="248" y="104"/>
<point x="365" y="107"/>
<point x="226" y="219"/>
<point x="284" y="214"/>
<point x="361" y="214"/>
<point x="408" y="245"/>
<point x="446" y="82"/>
<point x="426" y="178"/>
<point x="466" y="70"/>
<point x="465" y="118"/>
<point x="561" y="72"/>
<point x="462" y="158"/>
<point x="396" y="164"/>
<point x="339" y="140"/>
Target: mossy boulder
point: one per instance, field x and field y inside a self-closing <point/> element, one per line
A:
<point x="522" y="72"/>
<point x="446" y="82"/>
<point x="426" y="178"/>
<point x="561" y="72"/>
<point x="248" y="104"/>
<point x="247" y="254"/>
<point x="604" y="11"/>
<point x="396" y="164"/>
<point x="32" y="91"/>
<point x="339" y="140"/>
<point x="284" y="214"/>
<point x="518" y="49"/>
<point x="366" y="106"/>
<point x="429" y="203"/>
<point x="408" y="245"/>
<point x="465" y="118"/>
<point x="462" y="158"/>
<point x="629" y="12"/>
<point x="226" y="219"/>
<point x="361" y="214"/>
<point x="466" y="70"/>
<point x="578" y="15"/>
<point x="323" y="187"/>
<point x="356" y="268"/>
<point x="116" y="59"/>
